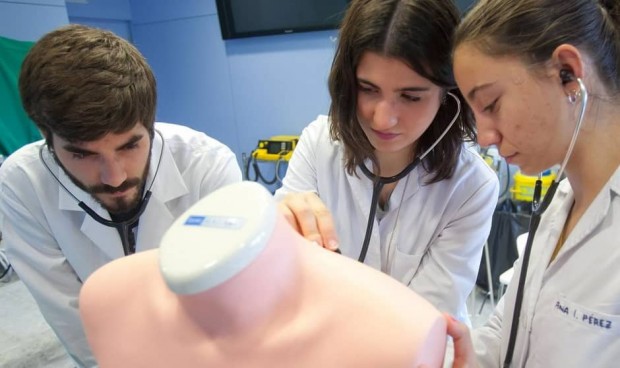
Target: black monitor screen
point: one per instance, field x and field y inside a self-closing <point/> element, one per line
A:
<point x="246" y="18"/>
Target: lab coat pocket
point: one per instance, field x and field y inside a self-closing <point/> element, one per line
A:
<point x="405" y="266"/>
<point x="589" y="320"/>
<point x="573" y="335"/>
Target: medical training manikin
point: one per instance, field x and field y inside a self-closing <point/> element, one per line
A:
<point x="233" y="285"/>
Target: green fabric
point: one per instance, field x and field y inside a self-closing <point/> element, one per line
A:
<point x="16" y="129"/>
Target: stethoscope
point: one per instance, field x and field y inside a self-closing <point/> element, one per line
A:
<point x="123" y="227"/>
<point x="380" y="181"/>
<point x="538" y="208"/>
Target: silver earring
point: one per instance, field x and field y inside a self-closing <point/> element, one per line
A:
<point x="572" y="97"/>
<point x="393" y="120"/>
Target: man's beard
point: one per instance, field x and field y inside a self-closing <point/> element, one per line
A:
<point x="121" y="205"/>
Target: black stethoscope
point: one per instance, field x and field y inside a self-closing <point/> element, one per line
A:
<point x="123" y="227"/>
<point x="381" y="181"/>
<point x="538" y="208"/>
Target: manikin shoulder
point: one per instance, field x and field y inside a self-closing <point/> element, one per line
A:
<point x="390" y="322"/>
<point x="106" y="292"/>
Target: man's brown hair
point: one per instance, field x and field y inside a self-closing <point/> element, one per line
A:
<point x="82" y="83"/>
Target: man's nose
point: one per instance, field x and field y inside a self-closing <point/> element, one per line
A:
<point x="113" y="172"/>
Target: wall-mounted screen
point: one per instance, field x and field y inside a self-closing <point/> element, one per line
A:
<point x="247" y="18"/>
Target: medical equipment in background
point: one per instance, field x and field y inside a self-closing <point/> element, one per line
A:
<point x="493" y="160"/>
<point x="511" y="217"/>
<point x="276" y="150"/>
<point x="506" y="276"/>
<point x="380" y="181"/>
<point x="523" y="188"/>
<point x="501" y="167"/>
<point x="538" y="208"/>
<point x="124" y="228"/>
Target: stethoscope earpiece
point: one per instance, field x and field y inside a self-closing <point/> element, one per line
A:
<point x="566" y="76"/>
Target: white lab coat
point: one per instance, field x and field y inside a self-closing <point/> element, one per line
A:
<point x="571" y="307"/>
<point x="54" y="246"/>
<point x="438" y="237"/>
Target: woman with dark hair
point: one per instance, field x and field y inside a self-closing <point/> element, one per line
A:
<point x="387" y="177"/>
<point x="543" y="79"/>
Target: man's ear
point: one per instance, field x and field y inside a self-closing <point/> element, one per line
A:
<point x="47" y="135"/>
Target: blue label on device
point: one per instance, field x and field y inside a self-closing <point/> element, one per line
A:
<point x="221" y="222"/>
<point x="194" y="220"/>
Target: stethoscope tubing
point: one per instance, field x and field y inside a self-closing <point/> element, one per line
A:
<point x="380" y="181"/>
<point x="538" y="208"/>
<point x="121" y="226"/>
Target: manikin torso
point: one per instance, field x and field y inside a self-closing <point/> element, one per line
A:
<point x="286" y="303"/>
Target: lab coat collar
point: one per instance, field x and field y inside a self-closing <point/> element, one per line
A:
<point x="69" y="194"/>
<point x="592" y="218"/>
<point x="169" y="183"/>
<point x="414" y="180"/>
<point x="614" y="183"/>
<point x="363" y="193"/>
<point x="167" y="186"/>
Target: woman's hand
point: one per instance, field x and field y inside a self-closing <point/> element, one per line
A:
<point x="310" y="217"/>
<point x="464" y="356"/>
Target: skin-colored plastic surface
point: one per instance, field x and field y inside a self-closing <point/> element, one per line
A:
<point x="295" y="305"/>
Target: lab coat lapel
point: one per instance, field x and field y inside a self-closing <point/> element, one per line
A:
<point x="406" y="188"/>
<point x="167" y="186"/>
<point x="154" y="223"/>
<point x="104" y="237"/>
<point x="362" y="193"/>
<point x="595" y="214"/>
<point x="363" y="200"/>
<point x="155" y="220"/>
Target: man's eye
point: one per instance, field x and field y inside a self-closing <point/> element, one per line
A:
<point x="78" y="156"/>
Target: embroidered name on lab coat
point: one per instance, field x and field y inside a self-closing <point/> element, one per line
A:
<point x="588" y="318"/>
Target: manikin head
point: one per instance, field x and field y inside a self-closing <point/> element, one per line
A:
<point x="217" y="238"/>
